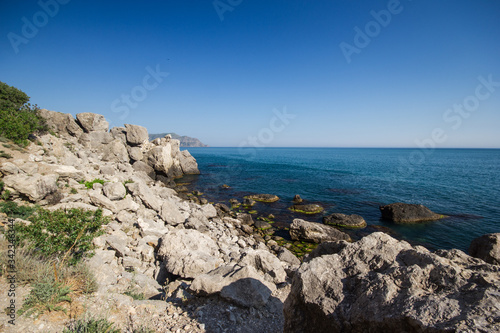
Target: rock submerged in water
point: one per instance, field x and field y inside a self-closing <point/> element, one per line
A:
<point x="315" y="232"/>
<point x="408" y="213"/>
<point x="486" y="247"/>
<point x="380" y="284"/>
<point x="343" y="220"/>
<point x="307" y="209"/>
<point x="263" y="197"/>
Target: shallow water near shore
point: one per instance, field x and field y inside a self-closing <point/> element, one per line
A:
<point x="461" y="183"/>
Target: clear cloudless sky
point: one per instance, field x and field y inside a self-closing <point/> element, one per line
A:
<point x="232" y="64"/>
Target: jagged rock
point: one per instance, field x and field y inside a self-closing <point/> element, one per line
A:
<point x="95" y="140"/>
<point x="119" y="133"/>
<point x="117" y="243"/>
<point x="127" y="204"/>
<point x="114" y="191"/>
<point x="224" y="280"/>
<point x="247" y="292"/>
<point x="8" y="168"/>
<point x="34" y="187"/>
<point x="143" y="192"/>
<point x="486" y="247"/>
<point x="92" y="122"/>
<point x="343" y="220"/>
<point x="136" y="135"/>
<point x="189" y="253"/>
<point x="135" y="153"/>
<point x="160" y="158"/>
<point x="384" y="285"/>
<point x="297" y="199"/>
<point x="408" y="213"/>
<point x="265" y="262"/>
<point x="101" y="201"/>
<point x="188" y="163"/>
<point x="115" y="151"/>
<point x="288" y="257"/>
<point x="69" y="171"/>
<point x="141" y="166"/>
<point x="107" y="170"/>
<point x="171" y="214"/>
<point x="245" y="218"/>
<point x="62" y="123"/>
<point x="209" y="211"/>
<point x="315" y="232"/>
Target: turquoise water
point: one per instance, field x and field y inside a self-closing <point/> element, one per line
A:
<point x="461" y="183"/>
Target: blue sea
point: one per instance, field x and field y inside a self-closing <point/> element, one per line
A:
<point x="463" y="184"/>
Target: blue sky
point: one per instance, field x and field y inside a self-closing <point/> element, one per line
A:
<point x="234" y="64"/>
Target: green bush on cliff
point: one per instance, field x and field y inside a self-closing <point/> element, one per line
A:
<point x="66" y="234"/>
<point x="18" y="118"/>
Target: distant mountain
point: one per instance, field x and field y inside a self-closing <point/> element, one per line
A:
<point x="186" y="141"/>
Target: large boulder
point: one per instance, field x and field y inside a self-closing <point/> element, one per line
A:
<point x="188" y="253"/>
<point x="346" y="221"/>
<point x="115" y="151"/>
<point x="62" y="123"/>
<point x="136" y="135"/>
<point x="160" y="158"/>
<point x="92" y="122"/>
<point x="307" y="209"/>
<point x="241" y="285"/>
<point x="486" y="247"/>
<point x="263" y="197"/>
<point x="408" y="213"/>
<point x="114" y="191"/>
<point x="146" y="168"/>
<point x="315" y="232"/>
<point x="379" y="284"/>
<point x="170" y="212"/>
<point x="140" y="190"/>
<point x="119" y="133"/>
<point x="34" y="187"/>
<point x="188" y="163"/>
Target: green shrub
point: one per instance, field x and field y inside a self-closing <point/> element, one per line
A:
<point x="45" y="296"/>
<point x="18" y="118"/>
<point x="13" y="210"/>
<point x="2" y="184"/>
<point x="62" y="232"/>
<point x="90" y="184"/>
<point x="91" y="325"/>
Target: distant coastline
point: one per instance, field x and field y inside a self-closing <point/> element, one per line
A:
<point x="186" y="141"/>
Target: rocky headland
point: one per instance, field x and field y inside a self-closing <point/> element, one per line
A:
<point x="185" y="141"/>
<point x="202" y="267"/>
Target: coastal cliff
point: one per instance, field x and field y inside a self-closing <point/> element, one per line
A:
<point x="204" y="268"/>
<point x="186" y="141"/>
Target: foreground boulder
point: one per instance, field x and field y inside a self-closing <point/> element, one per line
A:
<point x="315" y="232"/>
<point x="343" y="220"/>
<point x="408" y="213"/>
<point x="35" y="187"/>
<point x="486" y="247"/>
<point x="189" y="253"/>
<point x="379" y="284"/>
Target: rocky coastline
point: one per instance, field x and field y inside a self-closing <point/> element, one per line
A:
<point x="207" y="267"/>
